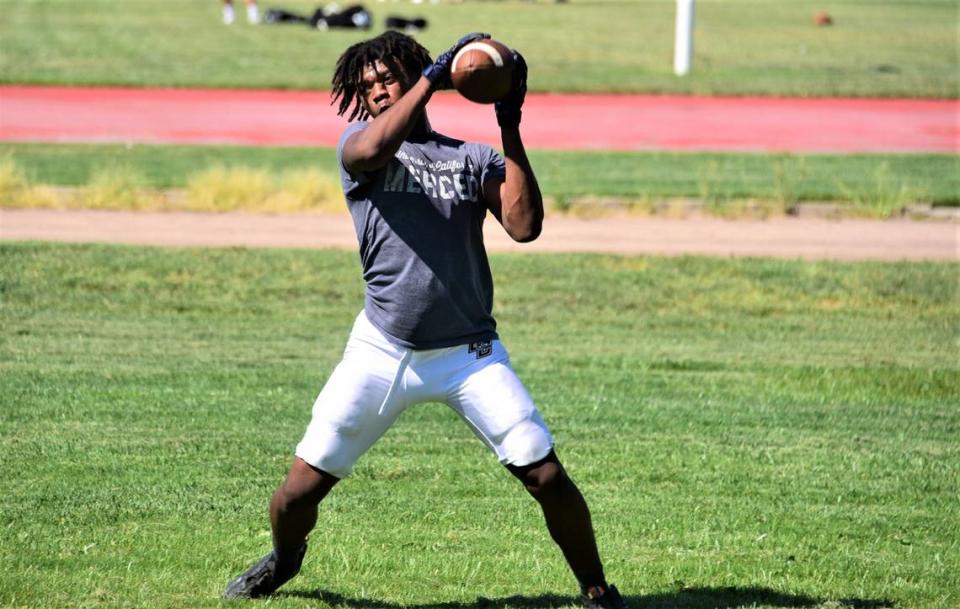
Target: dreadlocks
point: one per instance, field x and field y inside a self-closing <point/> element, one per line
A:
<point x="391" y="48"/>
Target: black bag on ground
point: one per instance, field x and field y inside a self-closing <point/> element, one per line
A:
<point x="354" y="17"/>
<point x="405" y="24"/>
<point x="279" y="15"/>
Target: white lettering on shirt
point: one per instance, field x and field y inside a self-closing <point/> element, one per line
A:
<point x="446" y="180"/>
<point x="445" y="183"/>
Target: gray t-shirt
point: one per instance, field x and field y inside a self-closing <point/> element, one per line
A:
<point x="419" y="222"/>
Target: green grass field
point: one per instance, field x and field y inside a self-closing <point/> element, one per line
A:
<point x="877" y="185"/>
<point x="749" y="433"/>
<point x="769" y="47"/>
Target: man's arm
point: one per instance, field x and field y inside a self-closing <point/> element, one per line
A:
<point x="373" y="147"/>
<point x="516" y="202"/>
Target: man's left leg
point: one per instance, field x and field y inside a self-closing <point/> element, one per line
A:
<point x="496" y="405"/>
<point x="568" y="521"/>
<point x="566" y="514"/>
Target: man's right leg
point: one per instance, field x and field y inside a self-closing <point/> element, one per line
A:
<point x="352" y="411"/>
<point x="293" y="508"/>
<point x="293" y="513"/>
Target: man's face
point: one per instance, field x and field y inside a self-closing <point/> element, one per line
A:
<point x="381" y="86"/>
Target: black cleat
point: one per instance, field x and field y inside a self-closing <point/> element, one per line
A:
<point x="603" y="599"/>
<point x="263" y="578"/>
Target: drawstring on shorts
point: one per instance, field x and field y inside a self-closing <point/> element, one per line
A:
<point x="401" y="369"/>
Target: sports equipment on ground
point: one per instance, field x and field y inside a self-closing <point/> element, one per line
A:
<point x="482" y="71"/>
<point x="610" y="599"/>
<point x="265" y="576"/>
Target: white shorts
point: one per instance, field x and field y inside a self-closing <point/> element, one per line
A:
<point x="377" y="380"/>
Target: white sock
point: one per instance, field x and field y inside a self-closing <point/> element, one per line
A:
<point x="227" y="14"/>
<point x="253" y="15"/>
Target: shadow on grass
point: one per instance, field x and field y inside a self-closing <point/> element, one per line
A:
<point x="686" y="598"/>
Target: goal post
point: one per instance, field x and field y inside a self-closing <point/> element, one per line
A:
<point x="683" y="40"/>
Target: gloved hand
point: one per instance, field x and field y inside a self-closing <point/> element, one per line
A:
<point x="508" y="108"/>
<point x="439" y="72"/>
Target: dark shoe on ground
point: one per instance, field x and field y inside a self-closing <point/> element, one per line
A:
<point x="608" y="598"/>
<point x="265" y="576"/>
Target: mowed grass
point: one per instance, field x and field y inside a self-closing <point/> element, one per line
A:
<point x="769" y="47"/>
<point x="749" y="433"/>
<point x="873" y="185"/>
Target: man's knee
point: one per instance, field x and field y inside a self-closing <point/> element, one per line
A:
<point x="304" y="485"/>
<point x="543" y="479"/>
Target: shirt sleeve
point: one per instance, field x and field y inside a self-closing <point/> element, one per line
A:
<point x="348" y="180"/>
<point x="492" y="164"/>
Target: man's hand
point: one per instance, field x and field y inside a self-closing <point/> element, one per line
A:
<point x="508" y="108"/>
<point x="439" y="72"/>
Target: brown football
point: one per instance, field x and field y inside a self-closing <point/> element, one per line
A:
<point x="482" y="71"/>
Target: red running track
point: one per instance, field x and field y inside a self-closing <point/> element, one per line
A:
<point x="565" y="122"/>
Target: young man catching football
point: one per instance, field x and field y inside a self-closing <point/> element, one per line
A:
<point x="426" y="333"/>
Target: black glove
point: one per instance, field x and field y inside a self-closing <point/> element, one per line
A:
<point x="508" y="108"/>
<point x="439" y="72"/>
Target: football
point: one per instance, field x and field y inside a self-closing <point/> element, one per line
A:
<point x="482" y="71"/>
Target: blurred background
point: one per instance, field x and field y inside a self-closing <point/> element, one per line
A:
<point x="879" y="48"/>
